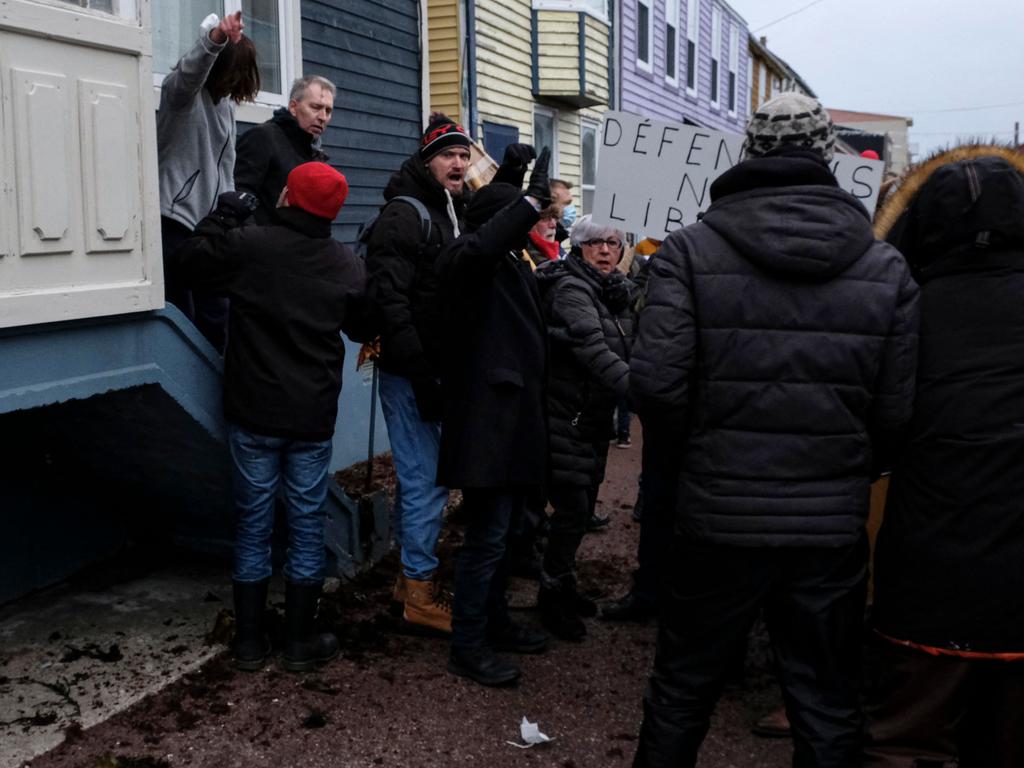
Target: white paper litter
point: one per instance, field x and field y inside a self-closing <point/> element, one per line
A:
<point x="531" y="735"/>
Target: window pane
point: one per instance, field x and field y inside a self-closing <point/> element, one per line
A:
<point x="714" y="80"/>
<point x="691" y="64"/>
<point x="263" y="24"/>
<point x="670" y="52"/>
<point x="732" y="91"/>
<point x="588" y="201"/>
<point x="543" y="131"/>
<point x="643" y="42"/>
<point x="176" y="28"/>
<point x="588" y="150"/>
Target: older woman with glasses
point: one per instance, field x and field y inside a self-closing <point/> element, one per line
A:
<point x="587" y="307"/>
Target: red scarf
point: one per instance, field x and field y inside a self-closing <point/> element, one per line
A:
<point x="548" y="247"/>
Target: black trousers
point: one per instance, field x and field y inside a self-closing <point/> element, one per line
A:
<point x="813" y="601"/>
<point x="927" y="711"/>
<point x="208" y="312"/>
<point x="572" y="505"/>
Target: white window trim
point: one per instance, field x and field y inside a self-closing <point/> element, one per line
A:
<point x="646" y="66"/>
<point x="585" y="124"/>
<point x="597" y="9"/>
<point x="734" y="68"/>
<point x="693" y="36"/>
<point x="716" y="55"/>
<point x="291" y="64"/>
<point x="553" y="114"/>
<point x="674" y="23"/>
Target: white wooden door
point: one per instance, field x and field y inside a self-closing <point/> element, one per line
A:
<point x="79" y="202"/>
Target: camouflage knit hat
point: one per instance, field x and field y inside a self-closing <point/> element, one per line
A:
<point x="790" y="120"/>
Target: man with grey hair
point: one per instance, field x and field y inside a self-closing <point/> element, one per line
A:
<point x="267" y="153"/>
<point x="777" y="344"/>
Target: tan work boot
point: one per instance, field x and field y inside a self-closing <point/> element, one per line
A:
<point x="774" y="725"/>
<point x="427" y="606"/>
<point x="398" y="594"/>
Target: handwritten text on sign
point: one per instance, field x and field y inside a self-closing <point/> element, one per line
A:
<point x="654" y="176"/>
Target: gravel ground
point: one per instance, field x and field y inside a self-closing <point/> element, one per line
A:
<point x="388" y="700"/>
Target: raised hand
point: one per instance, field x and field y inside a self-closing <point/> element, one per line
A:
<point x="539" y="188"/>
<point x="230" y="28"/>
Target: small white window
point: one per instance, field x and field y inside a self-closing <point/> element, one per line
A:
<point x="692" y="44"/>
<point x="545" y="134"/>
<point x="644" y="35"/>
<point x="588" y="163"/>
<point x="716" y="55"/>
<point x="734" y="66"/>
<point x="596" y="8"/>
<point x="268" y="23"/>
<point x="126" y="9"/>
<point x="672" y="41"/>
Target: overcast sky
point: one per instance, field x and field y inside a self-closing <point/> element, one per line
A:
<point x="906" y="57"/>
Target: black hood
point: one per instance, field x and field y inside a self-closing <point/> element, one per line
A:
<point x="786" y="214"/>
<point x="414" y="179"/>
<point x="286" y="121"/>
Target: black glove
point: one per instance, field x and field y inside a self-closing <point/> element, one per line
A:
<point x="236" y="206"/>
<point x="519" y="155"/>
<point x="429" y="401"/>
<point x="539" y="188"/>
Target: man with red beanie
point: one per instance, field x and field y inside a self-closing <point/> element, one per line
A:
<point x="293" y="288"/>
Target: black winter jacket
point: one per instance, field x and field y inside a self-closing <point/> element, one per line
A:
<point x="778" y="337"/>
<point x="266" y="154"/>
<point x="590" y="327"/>
<point x="402" y="280"/>
<point x="293" y="289"/>
<point x="494" y="432"/>
<point x="949" y="565"/>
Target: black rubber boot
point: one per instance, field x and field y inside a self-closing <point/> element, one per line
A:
<point x="557" y="612"/>
<point x="580" y="604"/>
<point x="250" y="645"/>
<point x="483" y="666"/>
<point x="303" y="647"/>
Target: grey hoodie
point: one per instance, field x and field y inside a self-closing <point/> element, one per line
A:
<point x="195" y="138"/>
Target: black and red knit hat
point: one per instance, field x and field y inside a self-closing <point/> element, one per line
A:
<point x="442" y="133"/>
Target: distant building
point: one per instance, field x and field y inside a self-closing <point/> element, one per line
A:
<point x="770" y="75"/>
<point x="893" y="127"/>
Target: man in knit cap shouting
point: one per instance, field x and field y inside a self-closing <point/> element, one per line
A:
<point x="403" y="289"/>
<point x="777" y="343"/>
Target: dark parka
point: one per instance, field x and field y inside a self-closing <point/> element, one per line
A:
<point x="403" y="282"/>
<point x="590" y="327"/>
<point x="949" y="566"/>
<point x="266" y="154"/>
<point x="778" y="338"/>
<point x="493" y="433"/>
<point x="293" y="289"/>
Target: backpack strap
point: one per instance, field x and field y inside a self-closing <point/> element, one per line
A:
<point x="421" y="210"/>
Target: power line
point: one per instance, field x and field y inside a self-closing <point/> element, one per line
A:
<point x="964" y="109"/>
<point x="788" y="15"/>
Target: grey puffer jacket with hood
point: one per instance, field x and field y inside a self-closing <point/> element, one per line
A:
<point x="779" y="339"/>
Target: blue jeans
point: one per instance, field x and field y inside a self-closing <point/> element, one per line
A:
<point x="419" y="500"/>
<point x="481" y="572"/>
<point x="261" y="465"/>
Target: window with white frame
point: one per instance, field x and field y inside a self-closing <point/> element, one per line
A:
<point x="734" y="66"/>
<point x="126" y="9"/>
<point x="692" y="44"/>
<point x="644" y="34"/>
<point x="672" y="41"/>
<point x="596" y="8"/>
<point x="268" y="23"/>
<point x="716" y="54"/>
<point x="545" y="134"/>
<point x="588" y="163"/>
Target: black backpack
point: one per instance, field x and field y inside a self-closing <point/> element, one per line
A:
<point x="366" y="230"/>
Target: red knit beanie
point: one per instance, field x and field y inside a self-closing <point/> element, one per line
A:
<point x="317" y="188"/>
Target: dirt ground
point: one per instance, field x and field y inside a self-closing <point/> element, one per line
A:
<point x="388" y="700"/>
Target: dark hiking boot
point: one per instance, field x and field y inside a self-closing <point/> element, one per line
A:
<point x="250" y="645"/>
<point x="483" y="666"/>
<point x="629" y="607"/>
<point x="557" y="612"/>
<point x="517" y="638"/>
<point x="304" y="648"/>
<point x="774" y="725"/>
<point x="597" y="522"/>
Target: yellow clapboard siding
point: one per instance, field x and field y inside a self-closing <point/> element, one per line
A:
<point x="504" y="64"/>
<point x="443" y="50"/>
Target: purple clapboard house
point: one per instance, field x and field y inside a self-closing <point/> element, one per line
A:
<point x="685" y="60"/>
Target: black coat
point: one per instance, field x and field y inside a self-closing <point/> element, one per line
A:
<point x="778" y="338"/>
<point x="949" y="566"/>
<point x="266" y="154"/>
<point x="293" y="289"/>
<point x="402" y="278"/>
<point x="493" y="434"/>
<point x="590" y="328"/>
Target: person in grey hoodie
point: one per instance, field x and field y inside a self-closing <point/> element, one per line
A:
<point x="777" y="347"/>
<point x="195" y="131"/>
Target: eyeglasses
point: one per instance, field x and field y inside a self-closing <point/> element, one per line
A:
<point x="597" y="242"/>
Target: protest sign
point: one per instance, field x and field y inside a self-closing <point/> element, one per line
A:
<point x="655" y="176"/>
